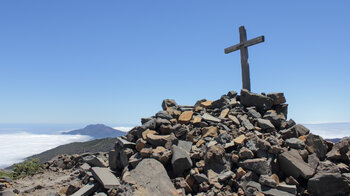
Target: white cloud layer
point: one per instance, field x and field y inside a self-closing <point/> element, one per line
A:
<point x="17" y="146"/>
<point x="330" y="130"/>
<point x="124" y="129"/>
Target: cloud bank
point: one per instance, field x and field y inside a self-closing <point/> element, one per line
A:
<point x="15" y="147"/>
<point x="124" y="129"/>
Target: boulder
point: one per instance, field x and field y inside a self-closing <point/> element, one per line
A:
<point x="292" y="164"/>
<point x="278" y="98"/>
<point x="316" y="144"/>
<point x="181" y="160"/>
<point x="258" y="165"/>
<point x="150" y="179"/>
<point x="295" y="143"/>
<point x="261" y="102"/>
<point x="327" y="184"/>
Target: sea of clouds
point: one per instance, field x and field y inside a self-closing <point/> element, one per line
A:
<point x="16" y="145"/>
<point x="330" y="130"/>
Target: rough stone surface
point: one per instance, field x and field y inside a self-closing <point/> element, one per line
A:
<point x="328" y="184"/>
<point x="181" y="160"/>
<point x="151" y="178"/>
<point x="258" y="165"/>
<point x="292" y="164"/>
<point x="259" y="101"/>
<point x="105" y="177"/>
<point x="295" y="143"/>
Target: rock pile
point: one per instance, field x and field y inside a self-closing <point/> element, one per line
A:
<point x="236" y="145"/>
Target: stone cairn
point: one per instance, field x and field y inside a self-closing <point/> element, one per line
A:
<point x="237" y="145"/>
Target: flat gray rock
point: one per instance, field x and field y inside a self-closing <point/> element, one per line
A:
<point x="209" y="117"/>
<point x="86" y="190"/>
<point x="105" y="177"/>
<point x="150" y="178"/>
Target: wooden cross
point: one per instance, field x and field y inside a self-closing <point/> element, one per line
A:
<point x="243" y="46"/>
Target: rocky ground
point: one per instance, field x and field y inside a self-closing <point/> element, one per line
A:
<point x="237" y="145"/>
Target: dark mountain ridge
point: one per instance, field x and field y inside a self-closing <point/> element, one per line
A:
<point x="97" y="131"/>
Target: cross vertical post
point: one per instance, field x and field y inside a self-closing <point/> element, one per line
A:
<point x="243" y="47"/>
<point x="244" y="59"/>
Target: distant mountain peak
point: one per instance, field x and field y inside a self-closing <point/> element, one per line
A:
<point x="97" y="131"/>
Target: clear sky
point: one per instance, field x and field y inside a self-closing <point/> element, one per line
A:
<point x="87" y="61"/>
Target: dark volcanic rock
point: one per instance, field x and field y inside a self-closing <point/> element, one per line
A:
<point x="293" y="164"/>
<point x="181" y="160"/>
<point x="150" y="178"/>
<point x="259" y="165"/>
<point x="328" y="184"/>
<point x="261" y="102"/>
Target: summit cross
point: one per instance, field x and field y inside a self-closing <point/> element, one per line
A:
<point x="243" y="47"/>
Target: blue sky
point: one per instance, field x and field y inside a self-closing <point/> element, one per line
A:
<point x="115" y="61"/>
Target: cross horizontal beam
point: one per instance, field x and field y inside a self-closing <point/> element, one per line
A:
<point x="245" y="44"/>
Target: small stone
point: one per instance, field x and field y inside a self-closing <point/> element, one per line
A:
<point x="140" y="143"/>
<point x="197" y="119"/>
<point x="240" y="172"/>
<point x="185" y="117"/>
<point x="224" y="113"/>
<point x="169" y="104"/>
<point x="200" y="142"/>
<point x="245" y="153"/>
<point x="265" y="124"/>
<point x="208" y="117"/>
<point x="253" y="113"/>
<point x="201" y="178"/>
<point x="240" y="139"/>
<point x="258" y="165"/>
<point x="295" y="143"/>
<point x="206" y="103"/>
<point x="159" y="150"/>
<point x="213" y="179"/>
<point x="278" y="98"/>
<point x="148" y="131"/>
<point x="292" y="181"/>
<point x="95" y="161"/>
<point x="163" y="115"/>
<point x="288" y="188"/>
<point x="248" y="125"/>
<point x="234" y="158"/>
<point x="275" y="178"/>
<point x="159" y="140"/>
<point x="210" y="131"/>
<point x="226" y="175"/>
<point x="267" y="181"/>
<point x="234" y="119"/>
